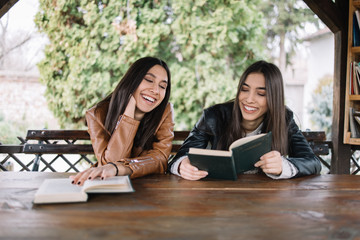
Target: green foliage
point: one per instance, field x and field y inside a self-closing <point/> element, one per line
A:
<point x="214" y="42"/>
<point x="9" y="131"/>
<point x="286" y="19"/>
<point x="321" y="109"/>
<point x="207" y="45"/>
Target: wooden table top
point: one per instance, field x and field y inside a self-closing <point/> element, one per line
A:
<point x="168" y="207"/>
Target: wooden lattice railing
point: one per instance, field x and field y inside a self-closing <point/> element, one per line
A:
<point x="72" y="148"/>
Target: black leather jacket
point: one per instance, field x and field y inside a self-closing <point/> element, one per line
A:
<point x="213" y="121"/>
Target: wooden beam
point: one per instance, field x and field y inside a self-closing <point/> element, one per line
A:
<point x="341" y="153"/>
<point x="340" y="162"/>
<point x="329" y="12"/>
<point x="5" y="5"/>
<point x="335" y="16"/>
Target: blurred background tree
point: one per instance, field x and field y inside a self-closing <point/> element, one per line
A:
<point x="11" y="43"/>
<point x="207" y="45"/>
<point x="321" y="110"/>
<point x="286" y="21"/>
<point x="9" y="130"/>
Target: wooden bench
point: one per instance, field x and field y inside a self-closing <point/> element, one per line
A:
<point x="61" y="142"/>
<point x="48" y="142"/>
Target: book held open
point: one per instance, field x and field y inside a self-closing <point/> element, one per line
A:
<point x="61" y="190"/>
<point x="241" y="157"/>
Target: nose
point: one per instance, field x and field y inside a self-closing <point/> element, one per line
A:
<point x="155" y="88"/>
<point x="251" y="97"/>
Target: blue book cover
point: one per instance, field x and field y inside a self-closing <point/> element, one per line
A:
<point x="356" y="32"/>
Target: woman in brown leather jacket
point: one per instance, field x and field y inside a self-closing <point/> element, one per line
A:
<point x="131" y="130"/>
<point x="259" y="107"/>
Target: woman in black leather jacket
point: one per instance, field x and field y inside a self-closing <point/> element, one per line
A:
<point x="258" y="108"/>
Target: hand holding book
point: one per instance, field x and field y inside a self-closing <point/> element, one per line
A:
<point x="241" y="157"/>
<point x="190" y="172"/>
<point x="270" y="163"/>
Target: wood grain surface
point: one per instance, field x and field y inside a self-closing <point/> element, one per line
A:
<point x="168" y="207"/>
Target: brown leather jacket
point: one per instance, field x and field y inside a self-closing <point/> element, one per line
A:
<point x="118" y="147"/>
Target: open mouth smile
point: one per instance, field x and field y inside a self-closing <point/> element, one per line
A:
<point x="148" y="98"/>
<point x="250" y="109"/>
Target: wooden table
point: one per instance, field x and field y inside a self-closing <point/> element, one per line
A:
<point x="168" y="207"/>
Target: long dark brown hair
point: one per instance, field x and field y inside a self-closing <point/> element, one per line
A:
<point x="275" y="117"/>
<point x="120" y="97"/>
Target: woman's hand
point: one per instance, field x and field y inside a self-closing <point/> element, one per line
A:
<point x="103" y="172"/>
<point x="130" y="108"/>
<point x="270" y="163"/>
<point x="190" y="172"/>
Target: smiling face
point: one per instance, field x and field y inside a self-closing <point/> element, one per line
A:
<point x="252" y="101"/>
<point x="151" y="91"/>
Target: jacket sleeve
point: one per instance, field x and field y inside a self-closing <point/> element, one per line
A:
<point x="155" y="159"/>
<point x="199" y="137"/>
<point x="111" y="148"/>
<point x="300" y="153"/>
<point x="98" y="134"/>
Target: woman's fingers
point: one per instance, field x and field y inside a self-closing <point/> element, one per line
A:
<point x="130" y="108"/>
<point x="271" y="162"/>
<point x="189" y="172"/>
<point x="103" y="172"/>
<point x="194" y="175"/>
<point x="81" y="177"/>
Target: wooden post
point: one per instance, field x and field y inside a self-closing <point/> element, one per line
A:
<point x="335" y="16"/>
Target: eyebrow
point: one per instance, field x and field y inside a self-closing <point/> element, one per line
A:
<point x="260" y="88"/>
<point x="149" y="73"/>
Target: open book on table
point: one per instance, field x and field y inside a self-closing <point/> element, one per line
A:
<point x="241" y="157"/>
<point x="60" y="190"/>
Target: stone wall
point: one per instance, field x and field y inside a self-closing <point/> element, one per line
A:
<point x="22" y="101"/>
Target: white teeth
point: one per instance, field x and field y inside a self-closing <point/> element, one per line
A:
<point x="249" y="108"/>
<point x="149" y="98"/>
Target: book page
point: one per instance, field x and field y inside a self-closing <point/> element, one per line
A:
<point x="110" y="185"/>
<point x="244" y="140"/>
<point x="209" y="152"/>
<point x="58" y="185"/>
<point x="59" y="190"/>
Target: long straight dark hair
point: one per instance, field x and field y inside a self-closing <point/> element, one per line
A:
<point x="120" y="97"/>
<point x="275" y="117"/>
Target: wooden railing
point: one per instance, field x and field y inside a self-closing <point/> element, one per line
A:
<point x="62" y="143"/>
